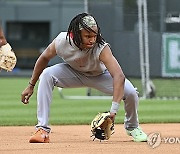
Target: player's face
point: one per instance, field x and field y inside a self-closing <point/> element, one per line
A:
<point x="88" y="38"/>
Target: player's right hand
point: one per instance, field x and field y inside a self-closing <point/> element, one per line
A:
<point x="26" y="94"/>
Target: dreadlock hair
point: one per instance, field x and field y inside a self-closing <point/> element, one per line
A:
<point x="74" y="29"/>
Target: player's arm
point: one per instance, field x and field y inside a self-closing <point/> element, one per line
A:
<point x="2" y="37"/>
<point x="40" y="65"/>
<point x="42" y="62"/>
<point x="117" y="74"/>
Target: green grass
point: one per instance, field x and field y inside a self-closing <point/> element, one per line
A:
<point x="13" y="112"/>
<point x="164" y="87"/>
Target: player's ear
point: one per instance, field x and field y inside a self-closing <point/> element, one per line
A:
<point x="71" y="35"/>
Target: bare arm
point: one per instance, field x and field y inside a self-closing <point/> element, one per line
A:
<point x="2" y="37"/>
<point x="42" y="62"/>
<point x="118" y="79"/>
<point x="116" y="72"/>
<point x="40" y="65"/>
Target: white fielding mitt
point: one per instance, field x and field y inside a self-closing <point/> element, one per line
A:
<point x="7" y="58"/>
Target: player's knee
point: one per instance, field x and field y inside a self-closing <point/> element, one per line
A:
<point x="45" y="74"/>
<point x="132" y="94"/>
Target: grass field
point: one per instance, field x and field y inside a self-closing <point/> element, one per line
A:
<point x="13" y="112"/>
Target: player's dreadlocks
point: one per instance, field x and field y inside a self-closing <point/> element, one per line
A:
<point x="75" y="30"/>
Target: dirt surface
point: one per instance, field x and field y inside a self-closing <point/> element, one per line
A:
<point x="76" y="139"/>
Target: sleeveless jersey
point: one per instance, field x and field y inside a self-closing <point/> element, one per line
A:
<point x="86" y="62"/>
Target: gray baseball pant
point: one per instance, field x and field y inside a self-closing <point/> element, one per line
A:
<point x="62" y="75"/>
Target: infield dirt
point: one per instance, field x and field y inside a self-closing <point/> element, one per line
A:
<point x="72" y="139"/>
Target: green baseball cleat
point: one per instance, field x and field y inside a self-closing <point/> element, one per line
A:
<point x="137" y="134"/>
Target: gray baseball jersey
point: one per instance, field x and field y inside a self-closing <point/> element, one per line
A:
<point x="84" y="61"/>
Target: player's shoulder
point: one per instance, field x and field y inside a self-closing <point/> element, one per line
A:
<point x="62" y="35"/>
<point x="103" y="46"/>
<point x="61" y="38"/>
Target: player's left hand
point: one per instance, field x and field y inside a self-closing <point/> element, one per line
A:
<point x="102" y="126"/>
<point x="112" y="116"/>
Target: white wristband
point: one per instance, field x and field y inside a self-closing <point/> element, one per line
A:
<point x="114" y="107"/>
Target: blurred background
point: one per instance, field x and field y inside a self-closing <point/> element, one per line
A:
<point x="30" y="25"/>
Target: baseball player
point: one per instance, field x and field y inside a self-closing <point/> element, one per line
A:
<point x="88" y="62"/>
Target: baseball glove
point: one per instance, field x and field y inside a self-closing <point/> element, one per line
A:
<point x="7" y="58"/>
<point x="102" y="127"/>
